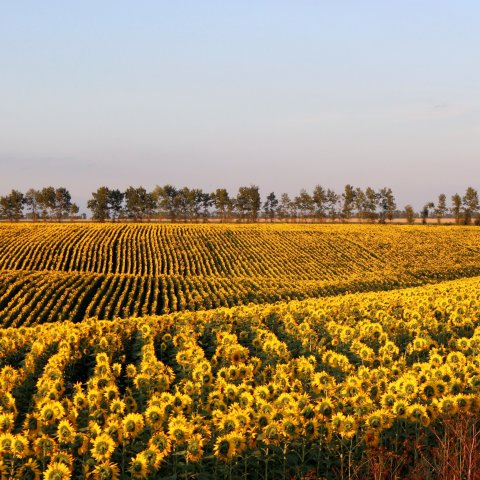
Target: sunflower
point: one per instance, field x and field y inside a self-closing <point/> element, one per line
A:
<point x="179" y="429"/>
<point x="290" y="428"/>
<point x="114" y="429"/>
<point x="153" y="457"/>
<point x="195" y="448"/>
<point x="106" y="471"/>
<point x="139" y="467"/>
<point x="6" y="422"/>
<point x="325" y="407"/>
<point x="225" y="423"/>
<point x="31" y="424"/>
<point x="408" y="386"/>
<point x="103" y="447"/>
<point x="131" y="370"/>
<point x="20" y="446"/>
<point x="229" y="445"/>
<point x="65" y="432"/>
<point x="117" y="406"/>
<point x="273" y="433"/>
<point x="337" y="421"/>
<point x="428" y="389"/>
<point x="446" y="405"/>
<point x="348" y="427"/>
<point x="400" y="407"/>
<point x="132" y="425"/>
<point x="388" y="399"/>
<point x="29" y="470"/>
<point x="57" y="471"/>
<point x="246" y="399"/>
<point x="64" y="458"/>
<point x="419" y="414"/>
<point x="130" y="402"/>
<point x="374" y="420"/>
<point x="51" y="412"/>
<point x="6" y="442"/>
<point x="80" y="400"/>
<point x="310" y="429"/>
<point x="322" y="382"/>
<point x="161" y="443"/>
<point x="43" y="446"/>
<point x="102" y="358"/>
<point x="110" y="393"/>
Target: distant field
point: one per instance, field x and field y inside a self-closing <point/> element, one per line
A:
<point x="52" y="272"/>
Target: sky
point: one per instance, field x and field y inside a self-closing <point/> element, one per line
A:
<point x="280" y="94"/>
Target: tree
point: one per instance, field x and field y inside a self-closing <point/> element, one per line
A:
<point x="11" y="205"/>
<point x="441" y="208"/>
<point x="184" y="202"/>
<point x="456" y="207"/>
<point x="370" y="204"/>
<point x="304" y="203"/>
<point x="331" y="204"/>
<point x="387" y="204"/>
<point x="425" y="211"/>
<point x="46" y="200"/>
<point x="206" y="203"/>
<point x="31" y="202"/>
<point x="248" y="202"/>
<point x="222" y="203"/>
<point x="139" y="203"/>
<point x="470" y="205"/>
<point x="319" y="199"/>
<point x="348" y="202"/>
<point x="284" y="206"/>
<point x="74" y="210"/>
<point x="409" y="214"/>
<point x="166" y="199"/>
<point x="115" y="203"/>
<point x="63" y="202"/>
<point x="195" y="202"/>
<point x="98" y="204"/>
<point x="360" y="200"/>
<point x="270" y="206"/>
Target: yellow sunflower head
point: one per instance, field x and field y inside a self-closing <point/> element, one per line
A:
<point x="21" y="447"/>
<point x="139" y="467"/>
<point x="103" y="447"/>
<point x="132" y="425"/>
<point x="106" y="471"/>
<point x="57" y="471"/>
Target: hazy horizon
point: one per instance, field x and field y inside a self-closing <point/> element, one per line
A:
<point x="283" y="95"/>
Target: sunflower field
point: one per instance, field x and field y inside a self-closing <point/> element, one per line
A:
<point x="53" y="272"/>
<point x="97" y="383"/>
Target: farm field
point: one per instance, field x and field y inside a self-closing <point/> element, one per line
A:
<point x="345" y="386"/>
<point x="239" y="351"/>
<point x="52" y="272"/>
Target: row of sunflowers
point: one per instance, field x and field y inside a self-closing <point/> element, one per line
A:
<point x="31" y="298"/>
<point x="301" y="252"/>
<point x="322" y="387"/>
<point x="56" y="272"/>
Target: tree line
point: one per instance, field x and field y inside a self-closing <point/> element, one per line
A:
<point x="48" y="203"/>
<point x="193" y="204"/>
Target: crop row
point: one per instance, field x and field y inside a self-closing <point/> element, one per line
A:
<point x="272" y="391"/>
<point x="326" y="252"/>
<point x="31" y="298"/>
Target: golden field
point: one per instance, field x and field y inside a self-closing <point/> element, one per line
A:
<point x="52" y="272"/>
<point x="379" y="384"/>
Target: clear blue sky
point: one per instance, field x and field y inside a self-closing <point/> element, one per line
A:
<point x="282" y="94"/>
